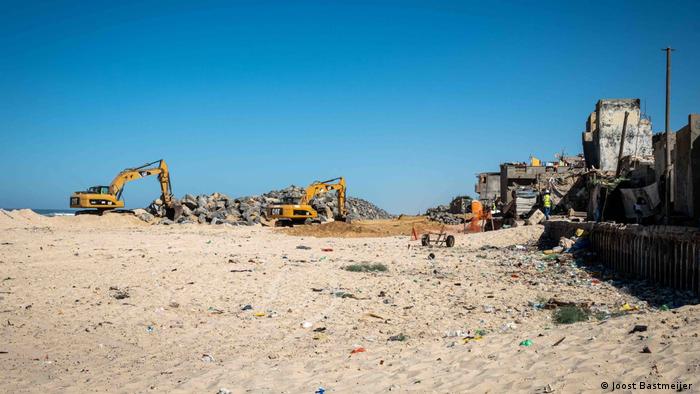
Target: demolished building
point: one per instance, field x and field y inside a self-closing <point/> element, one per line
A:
<point x="603" y="135"/>
<point x="687" y="170"/>
<point x="488" y="186"/>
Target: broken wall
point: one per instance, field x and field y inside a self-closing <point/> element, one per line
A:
<point x="687" y="169"/>
<point x="601" y="140"/>
<point x="488" y="185"/>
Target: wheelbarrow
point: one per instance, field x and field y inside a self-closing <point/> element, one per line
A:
<point x="438" y="239"/>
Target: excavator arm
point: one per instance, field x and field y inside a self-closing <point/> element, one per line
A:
<point x="130" y="174"/>
<point x="317" y="188"/>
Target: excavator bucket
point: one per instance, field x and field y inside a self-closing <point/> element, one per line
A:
<point x="174" y="211"/>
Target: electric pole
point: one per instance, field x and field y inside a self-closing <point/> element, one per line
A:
<point x="667" y="205"/>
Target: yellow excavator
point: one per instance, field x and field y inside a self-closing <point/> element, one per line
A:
<point x="296" y="211"/>
<point x="104" y="198"/>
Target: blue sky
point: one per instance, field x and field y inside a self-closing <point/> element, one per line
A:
<point x="407" y="100"/>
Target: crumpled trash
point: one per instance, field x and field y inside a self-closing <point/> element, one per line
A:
<point x="358" y="349"/>
<point x="215" y="311"/>
<point x="247" y="307"/>
<point x="566" y="243"/>
<point x="207" y="358"/>
<point x="398" y="338"/>
<point x="526" y="343"/>
<point x="303" y="247"/>
<point x="638" y="328"/>
<point x="472" y="339"/>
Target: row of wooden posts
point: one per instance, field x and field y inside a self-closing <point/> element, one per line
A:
<point x="666" y="255"/>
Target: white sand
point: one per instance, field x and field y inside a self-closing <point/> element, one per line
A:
<point x="62" y="329"/>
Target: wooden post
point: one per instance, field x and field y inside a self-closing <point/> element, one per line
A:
<point x="622" y="145"/>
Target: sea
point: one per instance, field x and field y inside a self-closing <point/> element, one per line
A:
<point x="51" y="212"/>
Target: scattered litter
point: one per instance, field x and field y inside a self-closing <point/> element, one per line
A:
<point x="397" y="338"/>
<point x="259" y="314"/>
<point x="223" y="391"/>
<point x="526" y="343"/>
<point x="118" y="293"/>
<point x="627" y="308"/>
<point x="664" y="307"/>
<point x="365" y="267"/>
<point x="150" y="329"/>
<point x="374" y="315"/>
<point x="646" y="349"/>
<point x="207" y="358"/>
<point x="358" y="349"/>
<point x="320" y="329"/>
<point x="472" y="339"/>
<point x="320" y="390"/>
<point x="638" y="328"/>
<point x="247" y="307"/>
<point x="174" y="304"/>
<point x="326" y="249"/>
<point x="307" y="324"/>
<point x="304" y="247"/>
<point x="431" y="256"/>
<point x="455" y="333"/>
<point x="215" y="311"/>
<point x="557" y="343"/>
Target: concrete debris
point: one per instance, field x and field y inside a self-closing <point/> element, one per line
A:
<point x="458" y="212"/>
<point x="218" y="208"/>
<point x="536" y="218"/>
<point x="143" y="215"/>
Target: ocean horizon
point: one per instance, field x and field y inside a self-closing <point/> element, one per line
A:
<point x="48" y="211"/>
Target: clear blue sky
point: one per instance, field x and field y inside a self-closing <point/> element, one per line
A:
<point x="407" y="100"/>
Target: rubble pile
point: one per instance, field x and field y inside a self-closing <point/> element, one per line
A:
<point x="442" y="214"/>
<point x="456" y="213"/>
<point x="218" y="208"/>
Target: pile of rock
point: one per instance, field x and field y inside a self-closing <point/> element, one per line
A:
<point x="442" y="214"/>
<point x="457" y="212"/>
<point x="219" y="208"/>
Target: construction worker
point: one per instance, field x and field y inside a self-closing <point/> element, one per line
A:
<point x="547" y="203"/>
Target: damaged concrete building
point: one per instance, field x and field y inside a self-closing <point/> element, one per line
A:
<point x="488" y="185"/>
<point x="685" y="169"/>
<point x="601" y="140"/>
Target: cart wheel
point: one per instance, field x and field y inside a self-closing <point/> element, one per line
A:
<point x="425" y="240"/>
<point x="450" y="241"/>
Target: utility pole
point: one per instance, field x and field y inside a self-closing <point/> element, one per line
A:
<point x="667" y="205"/>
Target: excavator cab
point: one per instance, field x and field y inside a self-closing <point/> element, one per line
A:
<point x="98" y="189"/>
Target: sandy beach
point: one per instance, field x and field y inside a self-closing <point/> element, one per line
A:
<point x="113" y="304"/>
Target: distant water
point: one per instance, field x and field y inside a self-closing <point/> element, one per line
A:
<point x="55" y="212"/>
